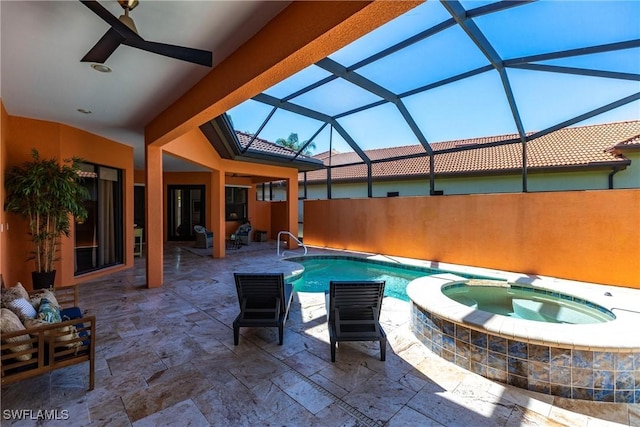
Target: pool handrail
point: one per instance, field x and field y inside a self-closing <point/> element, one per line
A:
<point x="294" y="238"/>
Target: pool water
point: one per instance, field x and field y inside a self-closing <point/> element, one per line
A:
<point x="319" y="272"/>
<point x="528" y="303"/>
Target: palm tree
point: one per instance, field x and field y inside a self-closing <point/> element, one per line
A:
<point x="294" y="143"/>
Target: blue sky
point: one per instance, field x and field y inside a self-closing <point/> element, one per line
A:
<point x="472" y="107"/>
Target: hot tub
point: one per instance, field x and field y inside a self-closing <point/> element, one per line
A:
<point x="597" y="361"/>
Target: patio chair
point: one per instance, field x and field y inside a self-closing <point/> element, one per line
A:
<point x="264" y="302"/>
<point x="353" y="313"/>
<point x="204" y="237"/>
<point x="243" y="233"/>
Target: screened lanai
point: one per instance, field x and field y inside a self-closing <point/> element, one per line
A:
<point x="510" y="71"/>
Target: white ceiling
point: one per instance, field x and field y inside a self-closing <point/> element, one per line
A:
<point x="42" y="42"/>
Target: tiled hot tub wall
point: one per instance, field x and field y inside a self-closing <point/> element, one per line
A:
<point x="578" y="374"/>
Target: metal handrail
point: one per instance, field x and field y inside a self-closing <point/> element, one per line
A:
<point x="294" y="238"/>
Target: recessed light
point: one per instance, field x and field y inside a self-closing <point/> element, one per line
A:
<point x="101" y="68"/>
<point x="84" y="111"/>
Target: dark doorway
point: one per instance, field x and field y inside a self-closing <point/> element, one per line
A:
<point x="186" y="204"/>
<point x="138" y="206"/>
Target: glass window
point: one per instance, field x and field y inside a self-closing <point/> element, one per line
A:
<point x="99" y="239"/>
<point x="236" y="203"/>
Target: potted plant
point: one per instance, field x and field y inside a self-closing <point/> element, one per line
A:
<point x="47" y="193"/>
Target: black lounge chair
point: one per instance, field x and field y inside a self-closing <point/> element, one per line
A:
<point x="264" y="302"/>
<point x="354" y="313"/>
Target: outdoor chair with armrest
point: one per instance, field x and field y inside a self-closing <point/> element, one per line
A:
<point x="204" y="237"/>
<point x="264" y="302"/>
<point x="353" y="313"/>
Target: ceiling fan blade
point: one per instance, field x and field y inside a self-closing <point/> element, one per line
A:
<point x="196" y="56"/>
<point x="110" y="19"/>
<point x="120" y="33"/>
<point x="104" y="48"/>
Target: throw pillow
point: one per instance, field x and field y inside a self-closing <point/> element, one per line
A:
<point x="20" y="291"/>
<point x="14" y="292"/>
<point x="44" y="293"/>
<point x="22" y="308"/>
<point x="49" y="312"/>
<point x="9" y="322"/>
<point x="61" y="334"/>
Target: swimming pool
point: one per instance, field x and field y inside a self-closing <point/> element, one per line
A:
<point x="320" y="270"/>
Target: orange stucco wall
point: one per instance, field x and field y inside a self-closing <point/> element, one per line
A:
<point x="590" y="236"/>
<point x="61" y="141"/>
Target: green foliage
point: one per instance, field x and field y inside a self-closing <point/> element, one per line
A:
<point x="46" y="193"/>
<point x="294" y="144"/>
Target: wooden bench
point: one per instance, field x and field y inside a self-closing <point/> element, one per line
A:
<point x="51" y="347"/>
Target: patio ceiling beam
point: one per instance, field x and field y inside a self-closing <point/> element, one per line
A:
<point x="579" y="71"/>
<point x="610" y="47"/>
<point x="307" y="112"/>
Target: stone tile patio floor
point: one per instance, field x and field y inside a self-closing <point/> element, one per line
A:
<point x="166" y="357"/>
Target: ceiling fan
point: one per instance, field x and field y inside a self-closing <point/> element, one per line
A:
<point x="123" y="31"/>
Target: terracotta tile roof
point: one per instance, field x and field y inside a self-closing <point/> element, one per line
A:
<point x="265" y="146"/>
<point x="631" y="144"/>
<point x="575" y="147"/>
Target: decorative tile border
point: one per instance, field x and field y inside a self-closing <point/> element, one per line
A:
<point x="572" y="373"/>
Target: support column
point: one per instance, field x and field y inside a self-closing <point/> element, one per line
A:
<point x="292" y="209"/>
<point x="154" y="212"/>
<point x="217" y="206"/>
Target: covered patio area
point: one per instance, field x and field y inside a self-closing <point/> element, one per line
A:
<point x="165" y="356"/>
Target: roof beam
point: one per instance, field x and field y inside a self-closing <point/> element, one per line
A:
<point x="460" y="15"/>
<point x="264" y="123"/>
<point x="310" y="140"/>
<point x="405" y="43"/>
<point x="310" y="87"/>
<point x="477" y="37"/>
<point x="496" y="7"/>
<point x="629" y="44"/>
<point x="374" y="88"/>
<point x="578" y="71"/>
<point x="307" y="112"/>
<point x="588" y="115"/>
<point x="447" y="81"/>
<point x="472" y="13"/>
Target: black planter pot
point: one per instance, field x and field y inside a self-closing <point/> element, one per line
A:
<point x="43" y="280"/>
